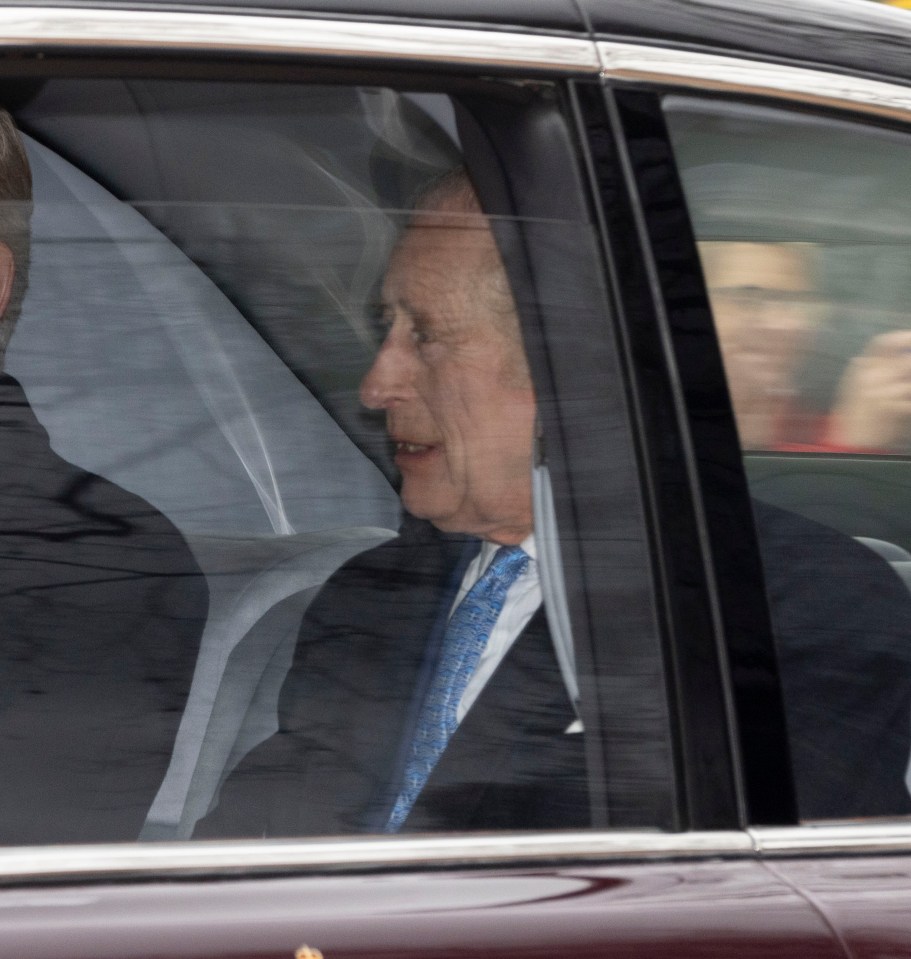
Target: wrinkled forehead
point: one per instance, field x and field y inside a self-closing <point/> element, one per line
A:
<point x="443" y="251"/>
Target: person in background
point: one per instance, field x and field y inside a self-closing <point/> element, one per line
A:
<point x="872" y="409"/>
<point x="102" y="608"/>
<point x="768" y="313"/>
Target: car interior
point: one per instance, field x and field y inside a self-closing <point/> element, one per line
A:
<point x="205" y="258"/>
<point x="194" y="331"/>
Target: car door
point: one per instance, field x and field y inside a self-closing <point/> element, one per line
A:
<point x="793" y="177"/>
<point x="215" y="199"/>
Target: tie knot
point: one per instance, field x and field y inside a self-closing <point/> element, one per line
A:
<point x="508" y="564"/>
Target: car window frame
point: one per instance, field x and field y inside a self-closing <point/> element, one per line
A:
<point x="621" y="625"/>
<point x="636" y="78"/>
<point x="355" y="61"/>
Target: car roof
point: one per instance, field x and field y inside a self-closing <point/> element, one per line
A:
<point x="855" y="35"/>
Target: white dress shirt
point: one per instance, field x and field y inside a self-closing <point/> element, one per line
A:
<point x="523" y="598"/>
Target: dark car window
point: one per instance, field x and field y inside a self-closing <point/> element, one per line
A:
<point x="243" y="342"/>
<point x="803" y="224"/>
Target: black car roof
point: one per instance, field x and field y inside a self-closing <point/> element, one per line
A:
<point x="857" y="35"/>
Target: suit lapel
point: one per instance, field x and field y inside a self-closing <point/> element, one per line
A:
<point x="358" y="677"/>
<point x="353" y="735"/>
<point x="507" y="742"/>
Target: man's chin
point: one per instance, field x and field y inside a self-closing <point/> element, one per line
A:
<point x="422" y="505"/>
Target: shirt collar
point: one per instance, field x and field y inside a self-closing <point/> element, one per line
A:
<point x="488" y="549"/>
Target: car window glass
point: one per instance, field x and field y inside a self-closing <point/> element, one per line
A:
<point x="803" y="225"/>
<point x="244" y="365"/>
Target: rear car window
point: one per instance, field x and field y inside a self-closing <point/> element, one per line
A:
<point x="803" y="226"/>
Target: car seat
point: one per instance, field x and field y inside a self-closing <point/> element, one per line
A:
<point x="142" y="371"/>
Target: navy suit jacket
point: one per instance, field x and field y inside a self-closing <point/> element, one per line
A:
<point x="842" y="623"/>
<point x="102" y="608"/>
<point x="841" y="619"/>
<point x="348" y="706"/>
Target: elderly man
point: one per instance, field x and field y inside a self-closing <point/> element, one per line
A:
<point x="425" y="692"/>
<point x="397" y="715"/>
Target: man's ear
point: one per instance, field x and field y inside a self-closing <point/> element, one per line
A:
<point x="7" y="274"/>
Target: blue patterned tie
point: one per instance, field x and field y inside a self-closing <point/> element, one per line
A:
<point x="466" y="636"/>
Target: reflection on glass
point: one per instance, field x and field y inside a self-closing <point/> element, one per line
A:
<point x="766" y="310"/>
<point x="804" y="224"/>
<point x="769" y="308"/>
<point x="185" y="459"/>
<point x="873" y="405"/>
<point x="102" y="603"/>
<point x="195" y="334"/>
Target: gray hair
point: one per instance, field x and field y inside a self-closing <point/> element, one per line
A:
<point x="453" y="192"/>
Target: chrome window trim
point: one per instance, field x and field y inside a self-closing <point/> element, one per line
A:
<point x="250" y="857"/>
<point x="150" y="861"/>
<point x="707" y="71"/>
<point x="56" y="28"/>
<point x="163" y="860"/>
<point x="844" y="838"/>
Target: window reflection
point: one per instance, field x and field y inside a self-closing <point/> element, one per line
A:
<point x="774" y="317"/>
<point x="767" y="311"/>
<point x="873" y="404"/>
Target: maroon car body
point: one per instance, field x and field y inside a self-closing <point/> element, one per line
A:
<point x="575" y="111"/>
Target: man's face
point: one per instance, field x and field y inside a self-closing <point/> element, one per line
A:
<point x="763" y="301"/>
<point x="452" y="378"/>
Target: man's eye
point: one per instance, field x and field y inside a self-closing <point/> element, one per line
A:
<point x="421" y="335"/>
<point x="379" y="318"/>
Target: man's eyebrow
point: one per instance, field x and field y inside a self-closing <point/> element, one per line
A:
<point x="380" y="313"/>
<point x="377" y="316"/>
<point x="398" y="304"/>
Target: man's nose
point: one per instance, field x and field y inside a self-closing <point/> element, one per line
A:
<point x="389" y="379"/>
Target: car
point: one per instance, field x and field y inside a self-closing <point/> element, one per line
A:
<point x="722" y="477"/>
